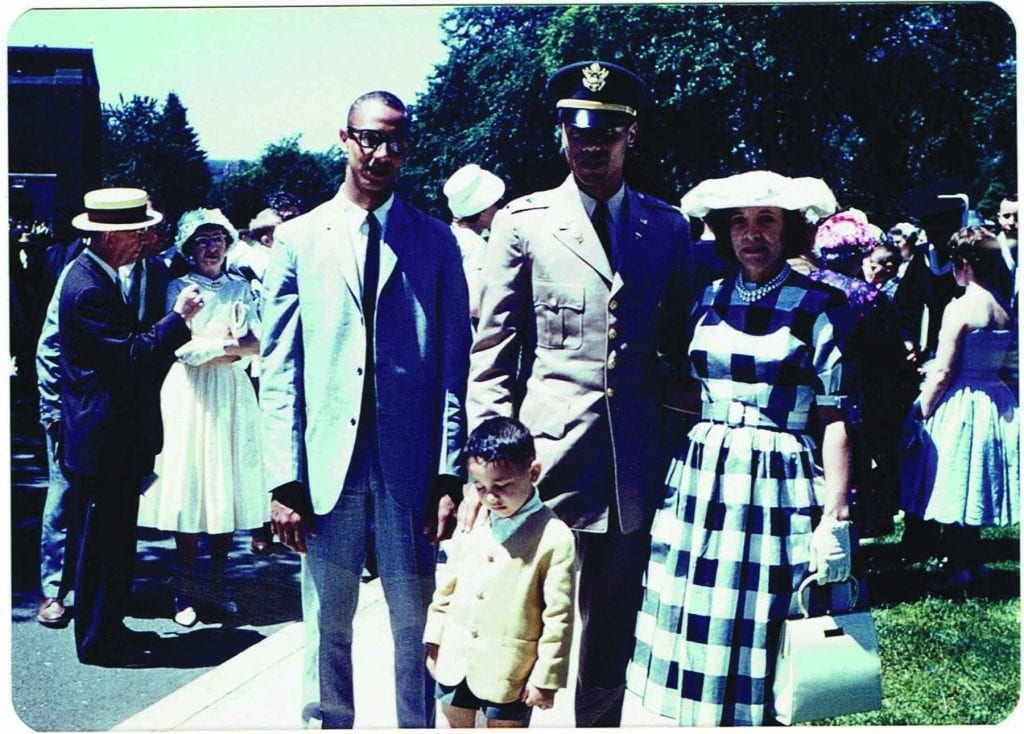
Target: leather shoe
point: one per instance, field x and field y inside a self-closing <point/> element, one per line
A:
<point x="260" y="547"/>
<point x="952" y="583"/>
<point x="125" y="649"/>
<point x="52" y="613"/>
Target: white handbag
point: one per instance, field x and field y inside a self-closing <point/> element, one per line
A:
<point x="827" y="665"/>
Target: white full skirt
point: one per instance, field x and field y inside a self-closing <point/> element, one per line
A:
<point x="210" y="475"/>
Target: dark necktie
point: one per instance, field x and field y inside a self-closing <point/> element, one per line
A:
<point x="135" y="289"/>
<point x="371" y="274"/>
<point x="601" y="219"/>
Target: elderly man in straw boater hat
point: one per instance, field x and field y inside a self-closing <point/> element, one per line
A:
<point x="112" y="368"/>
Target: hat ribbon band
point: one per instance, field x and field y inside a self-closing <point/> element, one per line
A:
<point x="132" y="215"/>
<point x="589" y="104"/>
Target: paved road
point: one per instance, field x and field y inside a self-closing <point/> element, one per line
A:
<point x="50" y="689"/>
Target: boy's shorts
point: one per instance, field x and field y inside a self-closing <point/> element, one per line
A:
<point x="464" y="698"/>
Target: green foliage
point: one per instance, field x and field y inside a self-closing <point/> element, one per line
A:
<point x="283" y="166"/>
<point x="874" y="98"/>
<point x="155" y="149"/>
<point x="485" y="105"/>
<point x="945" y="660"/>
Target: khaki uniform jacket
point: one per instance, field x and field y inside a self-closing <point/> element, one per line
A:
<point x="595" y="344"/>
<point x="503" y="612"/>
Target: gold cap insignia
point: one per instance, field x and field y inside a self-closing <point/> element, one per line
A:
<point x="594" y="77"/>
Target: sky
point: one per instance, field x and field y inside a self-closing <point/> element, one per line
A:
<point x="248" y="76"/>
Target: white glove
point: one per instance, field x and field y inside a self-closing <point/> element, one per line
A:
<point x="200" y="350"/>
<point x="830" y="551"/>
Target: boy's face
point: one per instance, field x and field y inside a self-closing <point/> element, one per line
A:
<point x="503" y="487"/>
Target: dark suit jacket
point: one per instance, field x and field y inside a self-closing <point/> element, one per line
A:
<point x="112" y="366"/>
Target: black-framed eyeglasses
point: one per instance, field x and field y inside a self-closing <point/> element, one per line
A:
<point x="371" y="140"/>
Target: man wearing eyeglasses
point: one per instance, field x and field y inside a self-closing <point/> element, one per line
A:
<point x="592" y="283"/>
<point x="364" y="366"/>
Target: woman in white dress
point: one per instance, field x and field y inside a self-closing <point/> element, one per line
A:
<point x="210" y="472"/>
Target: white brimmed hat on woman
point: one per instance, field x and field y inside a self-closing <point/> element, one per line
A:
<point x="811" y="196"/>
<point x="471" y="189"/>
<point x="116" y="210"/>
<point x="192" y="220"/>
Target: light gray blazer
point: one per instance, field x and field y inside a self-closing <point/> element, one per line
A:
<point x="313" y="354"/>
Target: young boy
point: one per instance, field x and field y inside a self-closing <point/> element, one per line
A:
<point x="499" y="628"/>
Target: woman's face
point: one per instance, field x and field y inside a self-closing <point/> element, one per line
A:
<point x="209" y="247"/>
<point x="756" y="234"/>
<point x="878" y="268"/>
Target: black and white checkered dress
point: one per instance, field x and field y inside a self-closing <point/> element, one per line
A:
<point x="731" y="540"/>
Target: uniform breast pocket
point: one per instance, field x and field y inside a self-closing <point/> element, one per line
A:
<point x="559" y="312"/>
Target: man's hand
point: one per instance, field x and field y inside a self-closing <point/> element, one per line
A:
<point x="912" y="356"/>
<point x="439" y="522"/>
<point x="471" y="510"/>
<point x="189" y="302"/>
<point x="286" y="523"/>
<point x="432" y="649"/>
<point x="542" y="698"/>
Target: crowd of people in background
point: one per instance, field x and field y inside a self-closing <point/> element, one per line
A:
<point x="718" y="398"/>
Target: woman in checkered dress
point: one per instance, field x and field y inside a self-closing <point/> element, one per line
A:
<point x="738" y="529"/>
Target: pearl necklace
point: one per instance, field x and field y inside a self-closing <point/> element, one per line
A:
<point x="747" y="294"/>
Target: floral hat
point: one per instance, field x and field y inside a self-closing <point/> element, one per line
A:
<point x="192" y="220"/>
<point x="812" y="196"/>
<point x="844" y="235"/>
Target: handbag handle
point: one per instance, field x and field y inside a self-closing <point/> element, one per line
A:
<point x="805" y="585"/>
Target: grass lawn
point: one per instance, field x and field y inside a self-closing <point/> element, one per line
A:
<point x="952" y="660"/>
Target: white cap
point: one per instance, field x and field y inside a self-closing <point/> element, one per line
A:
<point x="471" y="189"/>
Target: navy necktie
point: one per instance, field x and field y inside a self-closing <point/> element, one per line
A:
<point x="601" y="219"/>
<point x="371" y="274"/>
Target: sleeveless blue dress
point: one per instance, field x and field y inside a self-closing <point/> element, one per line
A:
<point x="962" y="464"/>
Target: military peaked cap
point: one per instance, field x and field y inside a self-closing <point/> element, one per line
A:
<point x="598" y="94"/>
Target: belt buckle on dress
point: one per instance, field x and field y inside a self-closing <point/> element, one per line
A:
<point x="734" y="416"/>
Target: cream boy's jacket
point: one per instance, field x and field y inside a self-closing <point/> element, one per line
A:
<point x="503" y="612"/>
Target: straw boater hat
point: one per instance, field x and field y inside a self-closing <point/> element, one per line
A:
<point x="471" y="189"/>
<point x="812" y="196"/>
<point x="116" y="210"/>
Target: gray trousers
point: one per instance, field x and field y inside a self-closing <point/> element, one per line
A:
<point x="365" y="521"/>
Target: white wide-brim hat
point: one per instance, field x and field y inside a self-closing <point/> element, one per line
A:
<point x="116" y="210"/>
<point x="812" y="196"/>
<point x="192" y="220"/>
<point x="471" y="189"/>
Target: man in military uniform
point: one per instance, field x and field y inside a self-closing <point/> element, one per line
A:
<point x="591" y="283"/>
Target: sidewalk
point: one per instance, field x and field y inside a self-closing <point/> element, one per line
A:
<point x="261" y="687"/>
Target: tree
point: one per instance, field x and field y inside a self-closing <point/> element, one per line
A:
<point x="283" y="166"/>
<point x="874" y="98"/>
<point x="155" y="149"/>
